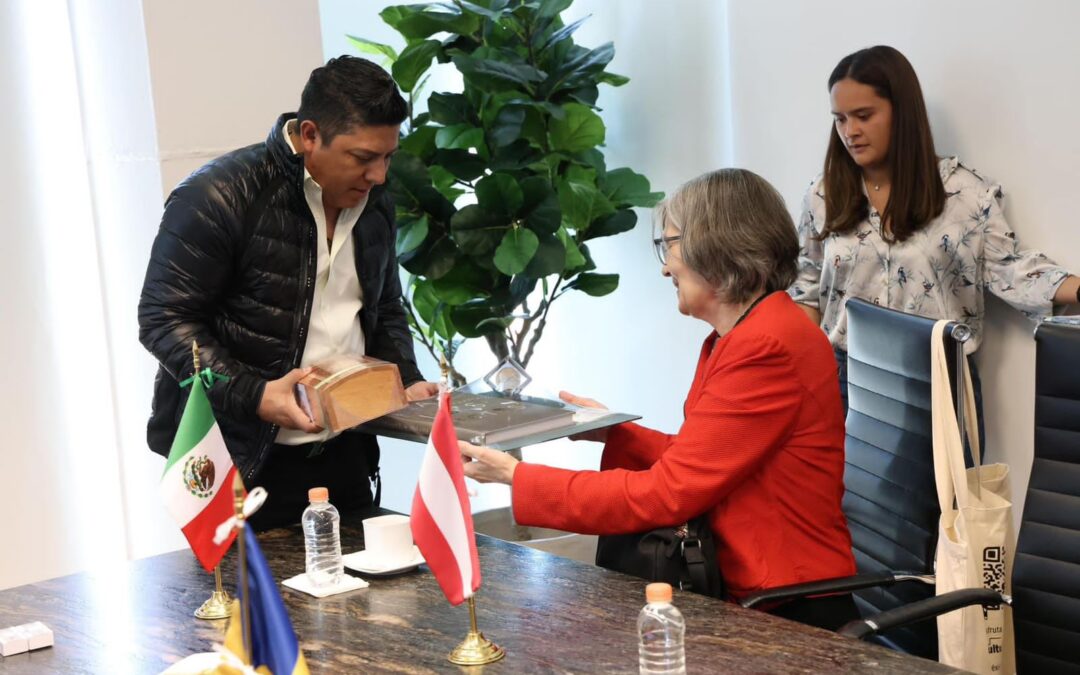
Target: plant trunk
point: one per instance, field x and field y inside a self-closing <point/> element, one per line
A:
<point x="497" y="345"/>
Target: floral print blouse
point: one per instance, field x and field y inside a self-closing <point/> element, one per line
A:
<point x="939" y="272"/>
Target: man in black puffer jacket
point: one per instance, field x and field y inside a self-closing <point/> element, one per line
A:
<point x="274" y="257"/>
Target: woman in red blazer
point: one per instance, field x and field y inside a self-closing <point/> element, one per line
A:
<point x="762" y="445"/>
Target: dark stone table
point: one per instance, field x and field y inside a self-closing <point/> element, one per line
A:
<point x="551" y="614"/>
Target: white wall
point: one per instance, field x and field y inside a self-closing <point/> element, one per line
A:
<point x="223" y="71"/>
<point x="1001" y="88"/>
<point x="111" y="104"/>
<point x="114" y="102"/>
<point x="630" y="350"/>
<point x="58" y="459"/>
<point x="742" y="83"/>
<point x="220" y="74"/>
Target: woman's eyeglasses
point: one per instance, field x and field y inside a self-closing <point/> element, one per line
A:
<point x="662" y="246"/>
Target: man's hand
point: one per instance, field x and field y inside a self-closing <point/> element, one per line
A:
<point x="278" y="405"/>
<point x="598" y="435"/>
<point x="420" y="390"/>
<point x="486" y="465"/>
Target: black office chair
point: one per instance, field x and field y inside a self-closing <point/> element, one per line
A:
<point x="890" y="498"/>
<point x="1046" y="568"/>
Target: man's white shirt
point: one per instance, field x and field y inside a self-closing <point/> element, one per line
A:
<point x="334" y="325"/>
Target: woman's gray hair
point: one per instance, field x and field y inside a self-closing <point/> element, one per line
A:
<point x="736" y="232"/>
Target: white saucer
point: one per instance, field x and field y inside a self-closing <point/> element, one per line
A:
<point x="368" y="562"/>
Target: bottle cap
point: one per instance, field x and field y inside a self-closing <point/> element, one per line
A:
<point x="658" y="592"/>
<point x="318" y="494"/>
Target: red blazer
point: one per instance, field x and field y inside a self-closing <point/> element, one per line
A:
<point x="762" y="447"/>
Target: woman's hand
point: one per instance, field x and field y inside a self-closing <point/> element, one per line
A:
<point x="485" y="465"/>
<point x="598" y="435"/>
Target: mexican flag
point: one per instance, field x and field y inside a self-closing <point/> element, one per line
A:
<point x="198" y="468"/>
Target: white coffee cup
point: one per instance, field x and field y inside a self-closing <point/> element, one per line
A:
<point x="388" y="539"/>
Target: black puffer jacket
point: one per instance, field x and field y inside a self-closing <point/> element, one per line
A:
<point x="233" y="267"/>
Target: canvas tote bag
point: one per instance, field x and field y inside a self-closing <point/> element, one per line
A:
<point x="975" y="542"/>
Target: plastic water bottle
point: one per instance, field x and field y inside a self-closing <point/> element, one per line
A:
<point x="660" y="633"/>
<point x="322" y="539"/>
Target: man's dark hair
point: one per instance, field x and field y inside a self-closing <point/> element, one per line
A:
<point x="348" y="92"/>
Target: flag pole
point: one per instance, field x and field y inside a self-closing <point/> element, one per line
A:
<point x="217" y="605"/>
<point x="245" y="592"/>
<point x="475" y="649"/>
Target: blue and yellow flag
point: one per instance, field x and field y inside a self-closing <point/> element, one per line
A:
<point x="274" y="647"/>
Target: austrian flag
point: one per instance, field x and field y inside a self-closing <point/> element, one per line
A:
<point x="199" y="465"/>
<point x="441" y="519"/>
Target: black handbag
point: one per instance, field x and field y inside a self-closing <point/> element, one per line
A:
<point x="683" y="556"/>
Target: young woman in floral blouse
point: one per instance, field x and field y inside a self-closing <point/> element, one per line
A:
<point x="890" y="222"/>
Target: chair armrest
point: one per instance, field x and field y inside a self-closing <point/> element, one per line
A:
<point x="829" y="586"/>
<point x="924" y="609"/>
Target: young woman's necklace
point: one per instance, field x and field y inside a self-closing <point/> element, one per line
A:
<point x="876" y="187"/>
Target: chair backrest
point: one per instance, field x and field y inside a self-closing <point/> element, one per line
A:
<point x="890" y="498"/>
<point x="1046" y="570"/>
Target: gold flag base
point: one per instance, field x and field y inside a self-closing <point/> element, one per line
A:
<point x="476" y="650"/>
<point x="217" y="605"/>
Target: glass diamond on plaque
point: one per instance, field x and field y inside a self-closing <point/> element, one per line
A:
<point x="508" y="378"/>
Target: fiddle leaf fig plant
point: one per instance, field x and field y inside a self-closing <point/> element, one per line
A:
<point x="500" y="187"/>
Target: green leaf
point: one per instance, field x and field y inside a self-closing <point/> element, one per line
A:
<point x="431" y="310"/>
<point x="581" y="204"/>
<point x="492" y="75"/>
<point x="424" y="300"/>
<point x="497" y="322"/>
<point x="541" y="207"/>
<point x="581" y="129"/>
<point x="443" y="324"/>
<point x="411" y="187"/>
<point x="572" y="67"/>
<point x="421" y="142"/>
<point x="563" y="33"/>
<point x="612" y="79"/>
<point x="411" y="234"/>
<point x="475" y="230"/>
<point x="444" y="182"/>
<point x="595" y="284"/>
<point x="620" y="221"/>
<point x="515" y="156"/>
<point x="585" y="95"/>
<point x="495" y="12"/>
<point x="459" y="137"/>
<point x="499" y="193"/>
<point x="516" y="250"/>
<point x="593" y="158"/>
<point x="414" y="62"/>
<point x="417" y="22"/>
<point x="553" y="109"/>
<point x="473" y="318"/>
<point x="626" y="188"/>
<point x="507" y="126"/>
<point x="550" y="257"/>
<point x="450" y="109"/>
<point x="461" y="163"/>
<point x="467" y="281"/>
<point x="441" y="258"/>
<point x="520" y="288"/>
<point x="551" y="8"/>
<point x="574" y="258"/>
<point x="580" y="174"/>
<point x="410" y="180"/>
<point x="368" y="47"/>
